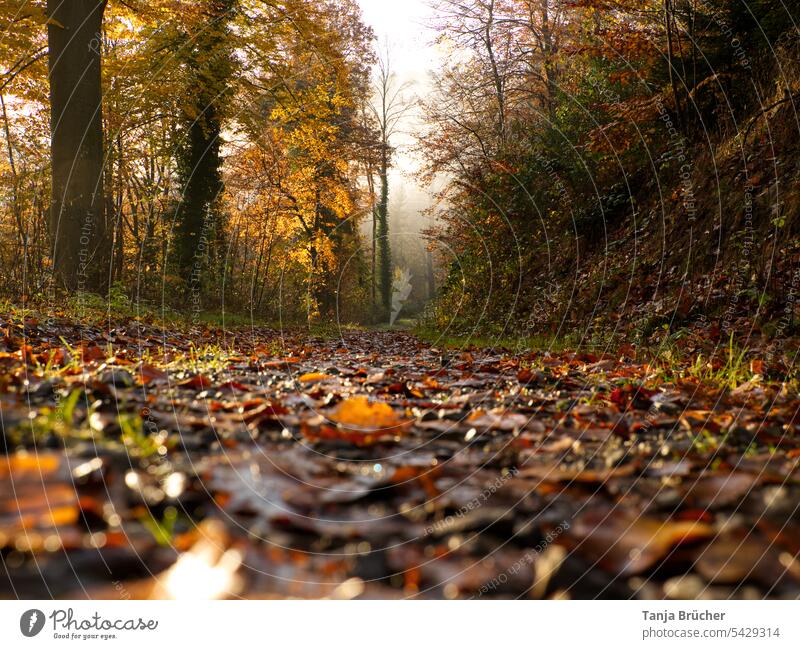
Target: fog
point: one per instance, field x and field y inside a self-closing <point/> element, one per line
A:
<point x="404" y="29"/>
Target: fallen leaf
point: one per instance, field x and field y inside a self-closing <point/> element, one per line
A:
<point x="197" y="382"/>
<point x="313" y="377"/>
<point x="626" y="543"/>
<point x="359" y="413"/>
<point x="149" y="374"/>
<point x="359" y="422"/>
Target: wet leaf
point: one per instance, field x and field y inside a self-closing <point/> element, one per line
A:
<point x="626" y="544"/>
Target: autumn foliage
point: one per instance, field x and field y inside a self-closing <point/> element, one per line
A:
<point x="233" y="139"/>
<point x="568" y="131"/>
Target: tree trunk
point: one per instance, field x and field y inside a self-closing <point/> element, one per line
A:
<point x="673" y="82"/>
<point x="549" y="60"/>
<point x="22" y="248"/>
<point x="384" y="245"/>
<point x="78" y="227"/>
<point x="499" y="82"/>
<point x="431" y="277"/>
<point x="374" y="252"/>
<point x="199" y="230"/>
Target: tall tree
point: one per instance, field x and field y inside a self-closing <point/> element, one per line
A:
<point x="81" y="250"/>
<point x="208" y="57"/>
<point x="390" y="106"/>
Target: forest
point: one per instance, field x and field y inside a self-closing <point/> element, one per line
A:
<point x="231" y="346"/>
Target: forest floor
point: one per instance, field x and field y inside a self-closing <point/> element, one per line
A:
<point x="261" y="464"/>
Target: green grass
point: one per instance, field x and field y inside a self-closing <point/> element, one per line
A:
<point x="401" y="324"/>
<point x="137" y="442"/>
<point x="163" y="531"/>
<point x="58" y="420"/>
<point x="513" y="343"/>
<point x="706" y="442"/>
<point x="229" y="319"/>
<point x="735" y="371"/>
<point x="667" y="357"/>
<point x="92" y="308"/>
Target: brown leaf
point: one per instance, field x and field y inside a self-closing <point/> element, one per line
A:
<point x="626" y="543"/>
<point x="149" y="374"/>
<point x="720" y="490"/>
<point x="737" y="557"/>
<point x="196" y="382"/>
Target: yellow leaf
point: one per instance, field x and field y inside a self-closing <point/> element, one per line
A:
<point x="313" y="377"/>
<point x="360" y="413"/>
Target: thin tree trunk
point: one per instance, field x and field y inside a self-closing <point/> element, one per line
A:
<point x="119" y="231"/>
<point x="498" y="81"/>
<point x="373" y="212"/>
<point x="430" y="274"/>
<point x="265" y="282"/>
<point x="670" y="62"/>
<point x="549" y="56"/>
<point x="385" y="256"/>
<point x="15" y="208"/>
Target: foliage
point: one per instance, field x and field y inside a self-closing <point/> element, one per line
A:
<point x="557" y="125"/>
<point x="233" y="148"/>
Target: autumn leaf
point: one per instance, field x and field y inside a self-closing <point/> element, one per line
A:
<point x="627" y="544"/>
<point x="360" y="422"/>
<point x="197" y="382"/>
<point x="631" y="396"/>
<point x="149" y="374"/>
<point x="359" y="413"/>
<point x="313" y="377"/>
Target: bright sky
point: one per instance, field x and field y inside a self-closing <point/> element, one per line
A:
<point x="405" y="25"/>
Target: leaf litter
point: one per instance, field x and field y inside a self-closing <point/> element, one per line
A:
<point x="263" y="464"/>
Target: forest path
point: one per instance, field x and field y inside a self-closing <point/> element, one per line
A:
<point x="145" y="463"/>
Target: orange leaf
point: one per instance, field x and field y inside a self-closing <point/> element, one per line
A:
<point x="359" y="422"/>
<point x="313" y="377"/>
<point x="359" y="413"/>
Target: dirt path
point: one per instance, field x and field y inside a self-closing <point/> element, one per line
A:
<point x="260" y="464"/>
